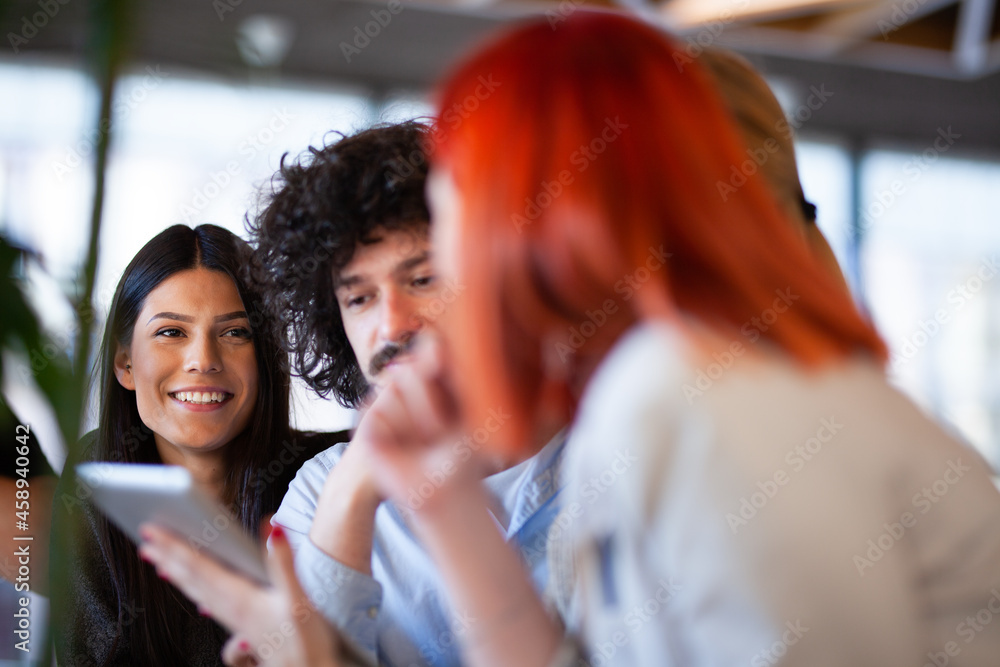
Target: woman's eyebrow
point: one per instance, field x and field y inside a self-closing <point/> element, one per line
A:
<point x="171" y="316"/>
<point x="235" y="315"/>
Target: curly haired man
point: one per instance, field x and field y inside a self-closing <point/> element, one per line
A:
<point x="344" y="259"/>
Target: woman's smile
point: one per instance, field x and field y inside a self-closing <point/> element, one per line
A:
<point x="202" y="399"/>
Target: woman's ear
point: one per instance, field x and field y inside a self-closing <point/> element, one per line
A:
<point x="123" y="369"/>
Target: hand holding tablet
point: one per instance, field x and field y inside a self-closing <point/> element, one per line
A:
<point x="132" y="494"/>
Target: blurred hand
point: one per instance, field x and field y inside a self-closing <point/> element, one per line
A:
<point x="356" y="470"/>
<point x="413" y="431"/>
<point x="274" y="626"/>
<point x="343" y="526"/>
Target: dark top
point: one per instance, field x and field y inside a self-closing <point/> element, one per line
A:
<point x="86" y="607"/>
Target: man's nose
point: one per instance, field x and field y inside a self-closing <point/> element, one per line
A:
<point x="401" y="317"/>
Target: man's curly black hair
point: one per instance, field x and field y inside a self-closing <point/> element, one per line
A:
<point x="308" y="226"/>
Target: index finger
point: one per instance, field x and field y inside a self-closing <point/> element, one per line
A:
<point x="225" y="595"/>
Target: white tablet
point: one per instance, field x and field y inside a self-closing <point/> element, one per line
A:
<point x="132" y="494"/>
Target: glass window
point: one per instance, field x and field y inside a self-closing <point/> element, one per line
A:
<point x="825" y="172"/>
<point x="930" y="254"/>
<point x="405" y="105"/>
<point x="931" y="243"/>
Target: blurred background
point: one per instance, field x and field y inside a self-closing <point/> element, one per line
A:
<point x="896" y="106"/>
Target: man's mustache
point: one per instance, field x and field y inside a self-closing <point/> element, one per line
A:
<point x="389" y="352"/>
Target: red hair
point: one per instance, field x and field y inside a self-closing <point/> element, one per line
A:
<point x="580" y="151"/>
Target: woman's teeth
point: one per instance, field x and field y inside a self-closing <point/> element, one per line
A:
<point x="200" y="397"/>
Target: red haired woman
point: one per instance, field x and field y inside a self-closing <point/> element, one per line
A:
<point x="745" y="486"/>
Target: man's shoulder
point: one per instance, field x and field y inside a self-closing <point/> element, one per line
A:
<point x="299" y="503"/>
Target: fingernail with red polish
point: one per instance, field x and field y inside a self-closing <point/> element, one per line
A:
<point x="244" y="646"/>
<point x="277" y="532"/>
<point x="203" y="611"/>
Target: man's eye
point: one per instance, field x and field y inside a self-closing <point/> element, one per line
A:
<point x="355" y="301"/>
<point x="169" y="332"/>
<point x="423" y="281"/>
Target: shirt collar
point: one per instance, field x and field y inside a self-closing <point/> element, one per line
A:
<point x="523" y="489"/>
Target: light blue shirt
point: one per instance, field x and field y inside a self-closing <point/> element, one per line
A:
<point x="400" y="616"/>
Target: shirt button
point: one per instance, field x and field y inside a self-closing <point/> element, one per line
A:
<point x="372" y="612"/>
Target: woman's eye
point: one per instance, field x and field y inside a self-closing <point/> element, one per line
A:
<point x="238" y="332"/>
<point x="169" y="332"/>
<point x="423" y="281"/>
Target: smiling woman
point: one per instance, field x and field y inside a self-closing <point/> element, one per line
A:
<point x="191" y="364"/>
<point x="190" y="374"/>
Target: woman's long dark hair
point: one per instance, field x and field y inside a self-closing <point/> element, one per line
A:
<point x="122" y="437"/>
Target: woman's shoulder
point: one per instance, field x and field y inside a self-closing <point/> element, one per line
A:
<point x="72" y="498"/>
<point x="84" y="450"/>
<point x="645" y="367"/>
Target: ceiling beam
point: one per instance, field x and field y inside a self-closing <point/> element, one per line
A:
<point x="850" y="27"/>
<point x="687" y="14"/>
<point x="972" y="35"/>
<point x="817" y="47"/>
